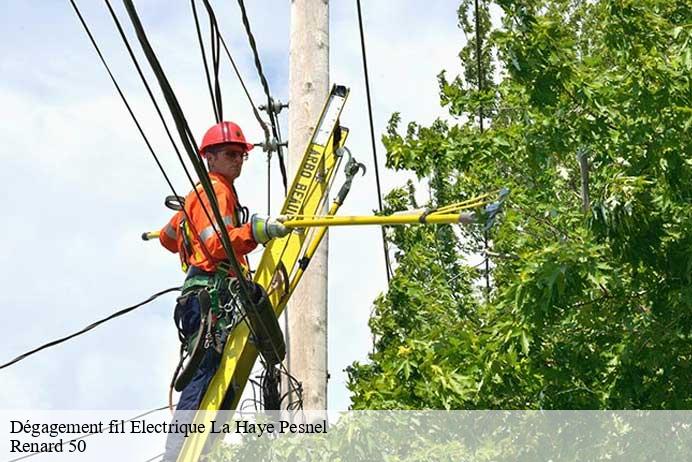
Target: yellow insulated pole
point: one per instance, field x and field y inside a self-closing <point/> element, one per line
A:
<point x="330" y="220"/>
<point x="310" y="251"/>
<point x="390" y="220"/>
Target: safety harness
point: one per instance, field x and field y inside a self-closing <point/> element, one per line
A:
<point x="217" y="297"/>
<point x="221" y="308"/>
<point x="219" y="312"/>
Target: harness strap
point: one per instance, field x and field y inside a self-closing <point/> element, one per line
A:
<point x="195" y="282"/>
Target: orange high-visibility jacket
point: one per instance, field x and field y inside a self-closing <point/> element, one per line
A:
<point x="206" y="257"/>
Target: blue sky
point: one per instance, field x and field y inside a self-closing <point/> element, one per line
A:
<point x="79" y="186"/>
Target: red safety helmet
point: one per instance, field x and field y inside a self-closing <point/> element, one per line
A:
<point x="224" y="133"/>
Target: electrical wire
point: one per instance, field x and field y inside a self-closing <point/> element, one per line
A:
<point x="214" y="93"/>
<point x="118" y="25"/>
<point x="265" y="86"/>
<point x="193" y="156"/>
<point x="192" y="150"/>
<point x="216" y="38"/>
<point x="257" y="401"/>
<point x="88" y="328"/>
<point x="216" y="101"/>
<point x="187" y="139"/>
<point x="255" y="111"/>
<point x="279" y="143"/>
<point x="181" y="123"/>
<point x="388" y="264"/>
<point x="253" y="46"/>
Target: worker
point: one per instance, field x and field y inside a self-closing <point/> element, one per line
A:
<point x="195" y="238"/>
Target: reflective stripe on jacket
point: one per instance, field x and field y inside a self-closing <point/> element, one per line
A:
<point x="171" y="235"/>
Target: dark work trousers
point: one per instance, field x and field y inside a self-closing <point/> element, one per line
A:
<point x="192" y="394"/>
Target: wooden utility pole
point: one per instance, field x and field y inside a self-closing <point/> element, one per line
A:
<point x="308" y="90"/>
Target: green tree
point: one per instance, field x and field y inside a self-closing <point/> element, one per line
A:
<point x="588" y="123"/>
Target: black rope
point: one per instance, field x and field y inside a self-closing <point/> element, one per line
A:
<point x="265" y="86"/>
<point x="372" y="140"/>
<point x="87" y="328"/>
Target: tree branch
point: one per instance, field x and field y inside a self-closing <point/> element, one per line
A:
<point x="582" y="157"/>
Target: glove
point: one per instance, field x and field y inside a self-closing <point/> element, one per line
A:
<point x="264" y="229"/>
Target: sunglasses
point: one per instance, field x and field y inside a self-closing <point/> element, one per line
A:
<point x="227" y="152"/>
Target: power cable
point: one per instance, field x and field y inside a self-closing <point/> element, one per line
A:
<point x="219" y="37"/>
<point x="163" y="121"/>
<point x="216" y="55"/>
<point x="131" y="112"/>
<point x="253" y="46"/>
<point x="170" y="100"/>
<point x="88" y="328"/>
<point x="211" y="196"/>
<point x="191" y="147"/>
<point x="216" y="38"/>
<point x="269" y="183"/>
<point x="269" y="156"/>
<point x="259" y="400"/>
<point x="372" y="140"/>
<point x="265" y="86"/>
<point x="215" y="93"/>
<point x="181" y="124"/>
<point x="187" y="139"/>
<point x="118" y="25"/>
<point x="255" y="111"/>
<point x="279" y="143"/>
<point x="262" y="123"/>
